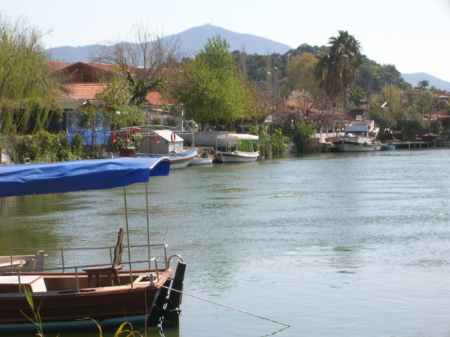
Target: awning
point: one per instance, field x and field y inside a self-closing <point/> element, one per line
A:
<point x="238" y="136"/>
<point x="82" y="175"/>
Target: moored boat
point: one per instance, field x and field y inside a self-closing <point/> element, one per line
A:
<point x="227" y="148"/>
<point x="388" y="147"/>
<point x="360" y="136"/>
<point x="166" y="143"/>
<point x="105" y="292"/>
<point x="201" y="161"/>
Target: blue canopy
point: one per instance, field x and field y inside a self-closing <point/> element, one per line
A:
<point x="82" y="175"/>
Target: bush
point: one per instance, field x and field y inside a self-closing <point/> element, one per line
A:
<point x="302" y="136"/>
<point x="77" y="144"/>
<point x="43" y="147"/>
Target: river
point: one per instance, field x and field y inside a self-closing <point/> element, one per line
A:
<point x="331" y="244"/>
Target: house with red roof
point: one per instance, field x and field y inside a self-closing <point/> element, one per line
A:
<point x="82" y="82"/>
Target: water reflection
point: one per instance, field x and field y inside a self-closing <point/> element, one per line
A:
<point x="335" y="244"/>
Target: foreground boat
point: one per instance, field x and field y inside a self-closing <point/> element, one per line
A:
<point x="104" y="292"/>
<point x="227" y="148"/>
<point x="360" y="136"/>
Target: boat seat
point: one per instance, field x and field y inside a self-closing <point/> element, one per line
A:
<point x="112" y="269"/>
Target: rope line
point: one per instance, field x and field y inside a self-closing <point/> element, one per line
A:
<point x="226" y="306"/>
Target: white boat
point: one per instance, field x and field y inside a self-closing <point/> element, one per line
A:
<point x="360" y="136"/>
<point x="105" y="292"/>
<point x="201" y="161"/>
<point x="227" y="148"/>
<point x="166" y="143"/>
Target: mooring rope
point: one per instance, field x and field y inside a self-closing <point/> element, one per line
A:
<point x="226" y="306"/>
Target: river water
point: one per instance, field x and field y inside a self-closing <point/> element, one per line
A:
<point x="331" y="244"/>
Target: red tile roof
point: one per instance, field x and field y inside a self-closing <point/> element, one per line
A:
<point x="154" y="98"/>
<point x="56" y="65"/>
<point x="82" y="91"/>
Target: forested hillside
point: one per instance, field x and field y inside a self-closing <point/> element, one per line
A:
<point x="371" y="77"/>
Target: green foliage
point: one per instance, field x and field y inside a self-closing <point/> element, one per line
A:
<point x="336" y="71"/>
<point x="77" y="144"/>
<point x="135" y="140"/>
<point x="277" y="145"/>
<point x="302" y="136"/>
<point x="384" y="119"/>
<point x="43" y="147"/>
<point x="278" y="132"/>
<point x="209" y="86"/>
<point x="119" y="94"/>
<point x="423" y="84"/>
<point x="27" y="88"/>
<point x="355" y="95"/>
<point x="253" y="130"/>
<point x="37" y="321"/>
<point x="409" y="120"/>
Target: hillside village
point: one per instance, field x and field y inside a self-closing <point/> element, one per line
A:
<point x="271" y="93"/>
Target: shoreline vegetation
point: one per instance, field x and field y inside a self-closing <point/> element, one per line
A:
<point x="287" y="96"/>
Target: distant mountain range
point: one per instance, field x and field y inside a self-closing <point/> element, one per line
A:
<point x="415" y="78"/>
<point x="193" y="39"/>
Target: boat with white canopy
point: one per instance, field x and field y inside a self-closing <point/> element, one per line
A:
<point x="227" y="148"/>
<point x="360" y="136"/>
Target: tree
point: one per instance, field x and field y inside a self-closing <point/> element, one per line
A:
<point x="118" y="92"/>
<point x="209" y="87"/>
<point x="149" y="54"/>
<point x="355" y="95"/>
<point x="302" y="136"/>
<point x="336" y="71"/>
<point x="300" y="72"/>
<point x="423" y="84"/>
<point x="426" y="102"/>
<point x="27" y="88"/>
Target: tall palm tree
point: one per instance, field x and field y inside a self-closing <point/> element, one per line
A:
<point x="336" y="71"/>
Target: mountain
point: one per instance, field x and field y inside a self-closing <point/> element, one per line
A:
<point x="415" y="78"/>
<point x="192" y="40"/>
<point x="195" y="38"/>
<point x="72" y="54"/>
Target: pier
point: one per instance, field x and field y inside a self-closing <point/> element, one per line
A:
<point x="420" y="144"/>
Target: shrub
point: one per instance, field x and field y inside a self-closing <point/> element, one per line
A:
<point x="77" y="144"/>
<point x="302" y="136"/>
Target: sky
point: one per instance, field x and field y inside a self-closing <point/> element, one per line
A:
<point x="414" y="35"/>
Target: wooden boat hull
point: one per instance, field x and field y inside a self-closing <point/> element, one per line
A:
<point x="344" y="146"/>
<point x="237" y="157"/>
<point x="67" y="309"/>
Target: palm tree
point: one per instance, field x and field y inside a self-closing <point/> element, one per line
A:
<point x="337" y="70"/>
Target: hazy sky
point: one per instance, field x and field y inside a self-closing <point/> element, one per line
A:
<point x="412" y="34"/>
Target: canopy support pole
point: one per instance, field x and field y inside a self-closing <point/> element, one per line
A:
<point x="148" y="225"/>
<point x="128" y="235"/>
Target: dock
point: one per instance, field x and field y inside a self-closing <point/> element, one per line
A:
<point x="420" y="144"/>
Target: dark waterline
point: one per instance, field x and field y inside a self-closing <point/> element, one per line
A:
<point x="332" y="244"/>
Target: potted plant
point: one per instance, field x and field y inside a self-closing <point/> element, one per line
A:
<point x="129" y="143"/>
